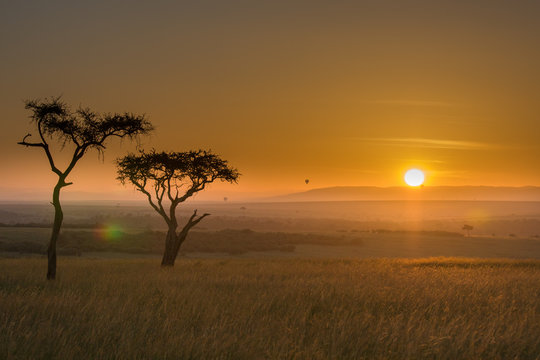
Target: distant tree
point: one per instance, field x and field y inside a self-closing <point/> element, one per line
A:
<point x="81" y="130"/>
<point x="468" y="229"/>
<point x="173" y="177"/>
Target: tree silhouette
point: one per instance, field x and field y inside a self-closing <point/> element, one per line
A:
<point x="82" y="130"/>
<point x="173" y="177"/>
<point x="468" y="229"/>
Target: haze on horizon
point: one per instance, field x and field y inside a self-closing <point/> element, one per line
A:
<point x="347" y="93"/>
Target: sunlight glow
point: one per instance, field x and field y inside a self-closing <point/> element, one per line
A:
<point x="414" y="177"/>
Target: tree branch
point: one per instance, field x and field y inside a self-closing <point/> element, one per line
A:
<point x="188" y="194"/>
<point x="45" y="148"/>
<point x="23" y="141"/>
<point x="192" y="221"/>
<point x="77" y="155"/>
<point x="169" y="194"/>
<point x="159" y="210"/>
<point x="160" y="191"/>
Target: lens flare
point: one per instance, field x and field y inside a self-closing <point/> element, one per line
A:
<point x="110" y="232"/>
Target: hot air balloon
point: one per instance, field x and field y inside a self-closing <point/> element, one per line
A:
<point x="307" y="181"/>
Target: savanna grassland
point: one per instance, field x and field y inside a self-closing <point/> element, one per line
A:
<point x="442" y="308"/>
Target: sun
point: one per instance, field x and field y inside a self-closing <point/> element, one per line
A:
<point x="414" y="177"/>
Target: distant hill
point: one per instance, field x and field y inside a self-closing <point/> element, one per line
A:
<point x="372" y="193"/>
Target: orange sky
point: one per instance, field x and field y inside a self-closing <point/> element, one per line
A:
<point x="340" y="92"/>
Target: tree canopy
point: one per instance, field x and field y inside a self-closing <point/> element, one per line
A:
<point x="176" y="175"/>
<point x="84" y="128"/>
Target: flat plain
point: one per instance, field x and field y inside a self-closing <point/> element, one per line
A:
<point x="347" y="280"/>
<point x="440" y="308"/>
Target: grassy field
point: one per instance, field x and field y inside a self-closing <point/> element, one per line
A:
<point x="279" y="308"/>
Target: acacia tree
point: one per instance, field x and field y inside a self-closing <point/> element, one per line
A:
<point x="173" y="177"/>
<point x="80" y="130"/>
<point x="468" y="228"/>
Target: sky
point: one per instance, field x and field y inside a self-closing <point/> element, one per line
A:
<point x="344" y="93"/>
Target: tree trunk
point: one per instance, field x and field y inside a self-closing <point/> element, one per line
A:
<point x="58" y="218"/>
<point x="172" y="246"/>
<point x="174" y="241"/>
<point x="179" y="240"/>
<point x="168" y="254"/>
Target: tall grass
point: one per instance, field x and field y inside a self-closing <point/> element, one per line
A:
<point x="278" y="309"/>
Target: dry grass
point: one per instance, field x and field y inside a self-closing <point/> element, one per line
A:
<point x="278" y="309"/>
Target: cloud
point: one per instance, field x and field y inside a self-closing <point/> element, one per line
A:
<point x="423" y="103"/>
<point x="423" y="161"/>
<point x="430" y="143"/>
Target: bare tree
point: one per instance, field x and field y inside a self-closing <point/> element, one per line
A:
<point x="82" y="130"/>
<point x="173" y="177"/>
